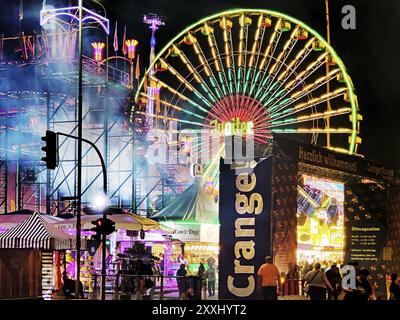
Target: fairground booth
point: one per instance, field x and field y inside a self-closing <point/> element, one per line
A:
<point x="194" y="218"/>
<point x="32" y="259"/>
<point x="306" y="204"/>
<point x="130" y="228"/>
<point x="38" y="253"/>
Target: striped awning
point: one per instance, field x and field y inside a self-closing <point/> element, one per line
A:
<point x="36" y="233"/>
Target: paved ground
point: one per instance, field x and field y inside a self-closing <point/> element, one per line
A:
<point x="174" y="296"/>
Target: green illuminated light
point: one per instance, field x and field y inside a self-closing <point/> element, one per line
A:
<point x="339" y="62"/>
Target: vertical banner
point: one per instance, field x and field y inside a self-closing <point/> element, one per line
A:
<point x="366" y="227"/>
<point x="245" y="226"/>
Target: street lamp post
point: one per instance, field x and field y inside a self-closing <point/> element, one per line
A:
<point x="79" y="164"/>
<point x="78" y="220"/>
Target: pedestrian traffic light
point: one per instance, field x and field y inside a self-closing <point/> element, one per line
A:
<point x="51" y="150"/>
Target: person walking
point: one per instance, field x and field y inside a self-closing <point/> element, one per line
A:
<point x="182" y="281"/>
<point x="201" y="273"/>
<point x="394" y="288"/>
<point x="335" y="279"/>
<point x="201" y="270"/>
<point x="269" y="279"/>
<point x="211" y="261"/>
<point x="317" y="283"/>
<point x="363" y="290"/>
<point x="211" y="275"/>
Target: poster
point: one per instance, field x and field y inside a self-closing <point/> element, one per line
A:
<point x="245" y="227"/>
<point x="366" y="227"/>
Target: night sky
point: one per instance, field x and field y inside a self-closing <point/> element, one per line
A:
<point x="371" y="53"/>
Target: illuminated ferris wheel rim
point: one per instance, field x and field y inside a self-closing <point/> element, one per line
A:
<point x="354" y="115"/>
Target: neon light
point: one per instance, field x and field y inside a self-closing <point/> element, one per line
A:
<point x="181" y="96"/>
<point x="98" y="50"/>
<point x="153" y="21"/>
<point x="131" y="44"/>
<point x="48" y="14"/>
<point x="347" y="80"/>
<point x="235" y="127"/>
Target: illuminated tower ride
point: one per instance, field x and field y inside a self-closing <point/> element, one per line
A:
<point x="154" y="21"/>
<point x="38" y="76"/>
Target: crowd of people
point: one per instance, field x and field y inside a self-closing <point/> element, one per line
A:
<point x="326" y="283"/>
<point x="205" y="277"/>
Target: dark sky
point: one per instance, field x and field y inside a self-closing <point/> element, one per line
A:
<point x="371" y="53"/>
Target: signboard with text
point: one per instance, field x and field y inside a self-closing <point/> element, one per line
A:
<point x="366" y="227"/>
<point x="324" y="158"/>
<point x="245" y="226"/>
<point x="186" y="232"/>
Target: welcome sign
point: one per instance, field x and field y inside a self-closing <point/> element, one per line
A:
<point x="245" y="226"/>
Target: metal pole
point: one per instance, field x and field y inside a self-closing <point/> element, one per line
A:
<point x="328" y="86"/>
<point x="79" y="162"/>
<point x="103" y="249"/>
<point x="6" y="147"/>
<point x="48" y="182"/>
<point x="104" y="238"/>
<point x="96" y="149"/>
<point x="134" y="163"/>
<point x="18" y="196"/>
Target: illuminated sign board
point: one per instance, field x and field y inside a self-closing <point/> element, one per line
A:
<point x="233" y="128"/>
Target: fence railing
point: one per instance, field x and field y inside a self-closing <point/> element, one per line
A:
<point x="150" y="287"/>
<point x="160" y="287"/>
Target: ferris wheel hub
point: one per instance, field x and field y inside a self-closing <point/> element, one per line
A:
<point x="240" y="115"/>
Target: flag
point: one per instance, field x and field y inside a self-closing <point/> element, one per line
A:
<point x="124" y="47"/>
<point x="21" y="11"/>
<point x="137" y="71"/>
<point x="116" y="37"/>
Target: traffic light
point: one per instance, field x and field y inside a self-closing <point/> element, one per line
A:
<point x="109" y="226"/>
<point x="50" y="149"/>
<point x="98" y="229"/>
<point x="102" y="226"/>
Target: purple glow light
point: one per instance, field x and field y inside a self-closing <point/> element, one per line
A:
<point x="153" y="20"/>
<point x="47" y="14"/>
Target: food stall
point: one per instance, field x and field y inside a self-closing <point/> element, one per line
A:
<point x="32" y="259"/>
<point x="194" y="217"/>
<point x="128" y="227"/>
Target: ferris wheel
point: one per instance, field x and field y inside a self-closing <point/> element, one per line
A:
<point x="258" y="71"/>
